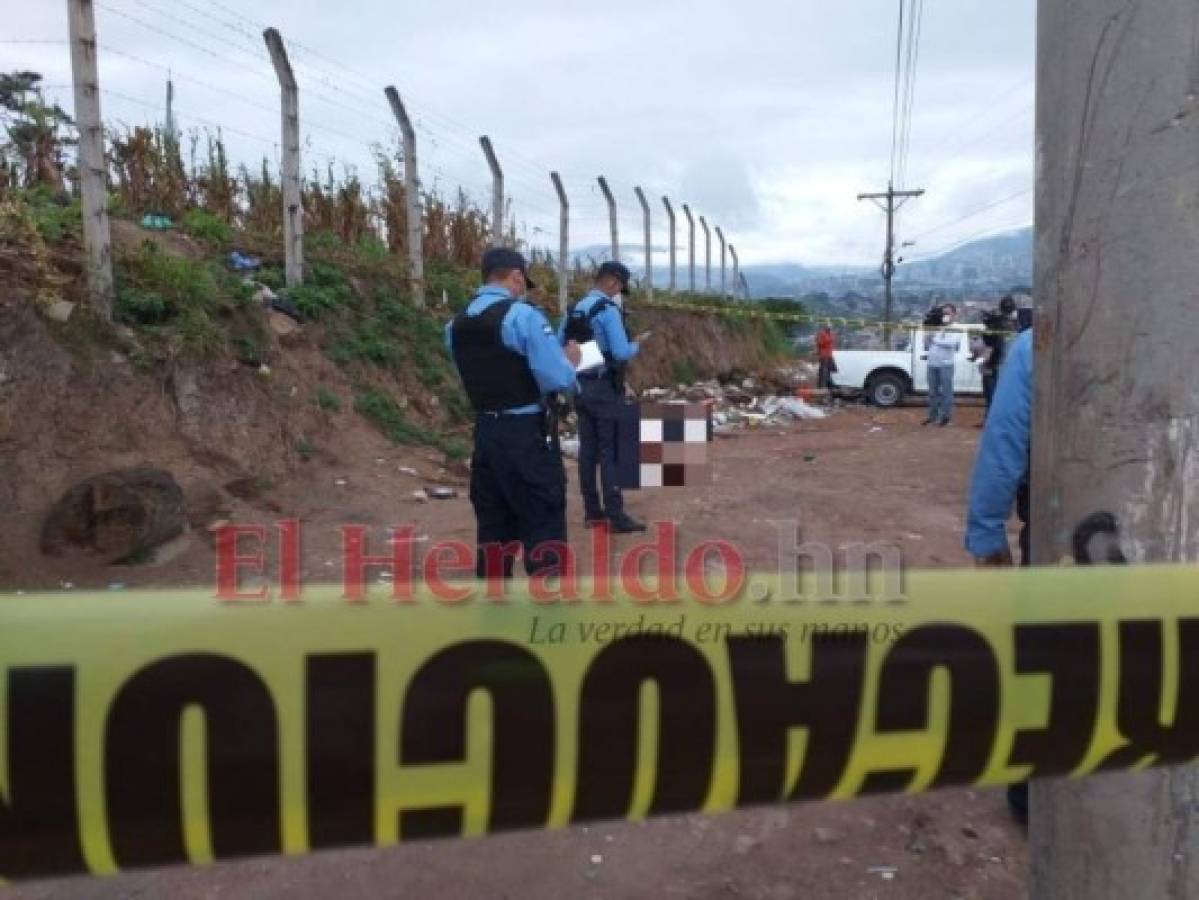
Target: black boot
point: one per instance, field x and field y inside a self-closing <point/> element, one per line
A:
<point x="623" y="523"/>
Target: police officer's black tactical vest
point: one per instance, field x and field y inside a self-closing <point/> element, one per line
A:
<point x="578" y="324"/>
<point x="495" y="377"/>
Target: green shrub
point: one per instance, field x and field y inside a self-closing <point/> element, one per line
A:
<point x="683" y="371"/>
<point x="324" y="290"/>
<point x="326" y="399"/>
<point x="211" y="229"/>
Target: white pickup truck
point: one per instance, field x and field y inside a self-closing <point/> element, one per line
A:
<point x="886" y="377"/>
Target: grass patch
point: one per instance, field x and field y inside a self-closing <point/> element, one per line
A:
<point x="327" y="400"/>
<point x="325" y="290"/>
<point x="385" y="414"/>
<point x="206" y="227"/>
<point x="200" y="304"/>
<point x="683" y="371"/>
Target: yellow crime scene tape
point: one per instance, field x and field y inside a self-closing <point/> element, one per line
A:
<point x="166" y="727"/>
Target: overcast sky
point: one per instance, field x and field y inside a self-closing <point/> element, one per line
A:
<point x="767" y="116"/>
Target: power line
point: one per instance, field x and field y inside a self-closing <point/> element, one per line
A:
<point x="977" y="212"/>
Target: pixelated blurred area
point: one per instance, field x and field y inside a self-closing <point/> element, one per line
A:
<point x="672" y="448"/>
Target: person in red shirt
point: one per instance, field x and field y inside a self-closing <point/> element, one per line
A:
<point x="826" y="344"/>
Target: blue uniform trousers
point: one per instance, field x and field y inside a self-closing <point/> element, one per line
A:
<point x="598" y="408"/>
<point x="518" y="490"/>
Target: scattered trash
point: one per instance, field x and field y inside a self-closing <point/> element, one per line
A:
<point x="875" y="430"/>
<point x="340" y="482"/>
<point x="408" y="470"/>
<point x="285" y="306"/>
<point x="59" y="310"/>
<point x="263" y="295"/>
<point x="791" y="407"/>
<point x="441" y="493"/>
<point x="420" y="496"/>
<point x="240" y="262"/>
<point x="596" y="859"/>
<point x="157" y="223"/>
<point x="887" y="872"/>
<point x="264" y="370"/>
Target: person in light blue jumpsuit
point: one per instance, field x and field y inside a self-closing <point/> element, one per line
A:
<point x="1001" y="480"/>
<point x="510" y="360"/>
<point x="598" y="316"/>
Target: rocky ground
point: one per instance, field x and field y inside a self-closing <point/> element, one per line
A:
<point x="858" y="475"/>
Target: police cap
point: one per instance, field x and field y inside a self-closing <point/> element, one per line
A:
<point x="496" y="259"/>
<point x="616" y="270"/>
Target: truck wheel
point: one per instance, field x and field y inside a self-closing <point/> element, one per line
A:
<point x="886" y="390"/>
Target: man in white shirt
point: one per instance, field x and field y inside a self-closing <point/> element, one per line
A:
<point x="942" y="346"/>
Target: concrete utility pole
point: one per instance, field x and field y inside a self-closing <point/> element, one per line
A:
<point x="412" y="213"/>
<point x="497" y="191"/>
<point x="169" y="126"/>
<point x="736" y="269"/>
<point x="563" y="244"/>
<point x="649" y="250"/>
<point x="293" y="203"/>
<point x="720" y="237"/>
<point x="690" y="248"/>
<point x="93" y="171"/>
<point x="603" y="183"/>
<point x="707" y="255"/>
<point x="890" y="208"/>
<point x="673" y="245"/>
<point x="1115" y="425"/>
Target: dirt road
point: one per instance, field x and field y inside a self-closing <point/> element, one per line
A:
<point x="862" y="475"/>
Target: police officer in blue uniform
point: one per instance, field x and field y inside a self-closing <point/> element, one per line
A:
<point x="510" y="362"/>
<point x="599" y="316"/>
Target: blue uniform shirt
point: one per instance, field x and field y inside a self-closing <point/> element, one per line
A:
<point x="1002" y="463"/>
<point x="526" y="331"/>
<point x="608" y="327"/>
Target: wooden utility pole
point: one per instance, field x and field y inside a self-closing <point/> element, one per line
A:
<point x="649" y="250"/>
<point x="673" y="245"/>
<point x="1115" y="424"/>
<point x="414" y="226"/>
<point x="607" y="191"/>
<point x="690" y="248"/>
<point x="707" y="255"/>
<point x="720" y="237"/>
<point x="497" y="191"/>
<point x="890" y="207"/>
<point x="563" y="243"/>
<point x="93" y="171"/>
<point x="736" y="269"/>
<point x="293" y="201"/>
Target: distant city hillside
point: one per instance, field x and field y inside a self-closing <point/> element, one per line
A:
<point x="984" y="268"/>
